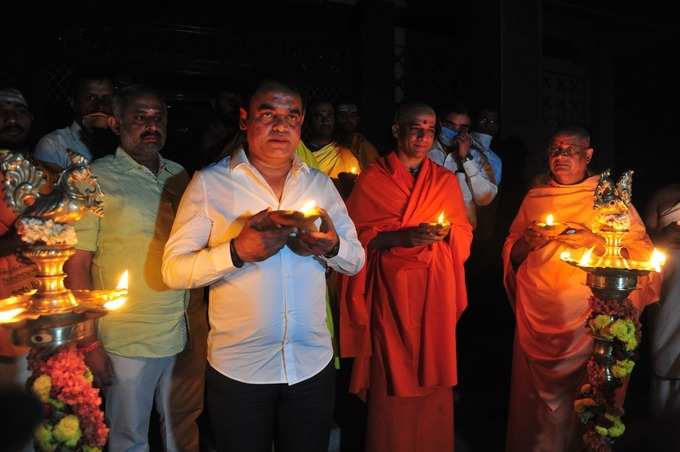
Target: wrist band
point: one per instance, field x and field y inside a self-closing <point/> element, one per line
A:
<point x="235" y="259"/>
<point x="89" y="347"/>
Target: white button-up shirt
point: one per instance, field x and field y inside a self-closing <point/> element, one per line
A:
<point x="268" y="318"/>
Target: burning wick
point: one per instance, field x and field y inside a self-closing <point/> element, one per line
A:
<point x="122" y="286"/>
<point x="441" y="220"/>
<point x="309" y="209"/>
<point x="585" y="259"/>
<point x="8" y="316"/>
<point x="657" y="260"/>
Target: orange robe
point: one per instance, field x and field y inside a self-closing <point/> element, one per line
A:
<point x="398" y="315"/>
<point x="551" y="303"/>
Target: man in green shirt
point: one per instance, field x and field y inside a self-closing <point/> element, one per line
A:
<point x="145" y="339"/>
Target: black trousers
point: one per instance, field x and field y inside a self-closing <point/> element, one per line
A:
<point x="248" y="417"/>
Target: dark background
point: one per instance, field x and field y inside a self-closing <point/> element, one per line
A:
<point x="606" y="65"/>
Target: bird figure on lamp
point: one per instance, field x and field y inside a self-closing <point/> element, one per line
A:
<point x="613" y="201"/>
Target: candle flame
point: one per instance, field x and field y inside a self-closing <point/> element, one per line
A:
<point x="585" y="259"/>
<point x="441" y="219"/>
<point x="549" y="220"/>
<point x="123" y="281"/>
<point x="308" y="208"/>
<point x="657" y="260"/>
<point x="353" y="170"/>
<point x="9" y="315"/>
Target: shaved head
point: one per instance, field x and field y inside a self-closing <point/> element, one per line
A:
<point x="408" y="112"/>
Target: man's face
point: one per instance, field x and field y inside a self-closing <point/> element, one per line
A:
<point x="568" y="158"/>
<point x="92" y="104"/>
<point x="488" y="122"/>
<point x="416" y="136"/>
<point x="143" y="126"/>
<point x="15" y="124"/>
<point x="322" y="118"/>
<point x="456" y="121"/>
<point x="272" y="124"/>
<point x="347" y="118"/>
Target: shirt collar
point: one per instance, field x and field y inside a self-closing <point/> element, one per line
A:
<point x="239" y="158"/>
<point x="75" y="128"/>
<point x="125" y="159"/>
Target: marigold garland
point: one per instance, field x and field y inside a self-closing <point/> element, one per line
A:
<point x="595" y="405"/>
<point x="73" y="418"/>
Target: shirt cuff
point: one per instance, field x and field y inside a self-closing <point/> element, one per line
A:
<point x="471" y="167"/>
<point x="221" y="257"/>
<point x="342" y="252"/>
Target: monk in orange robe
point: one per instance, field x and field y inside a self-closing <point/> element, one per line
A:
<point x="398" y="315"/>
<point x="551" y="300"/>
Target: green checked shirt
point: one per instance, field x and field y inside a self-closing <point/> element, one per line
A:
<point x="139" y="208"/>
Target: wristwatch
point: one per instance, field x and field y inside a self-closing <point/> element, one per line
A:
<point x="235" y="259"/>
<point x="333" y="252"/>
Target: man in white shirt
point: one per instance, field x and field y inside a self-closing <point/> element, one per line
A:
<point x="270" y="376"/>
<point x="89" y="131"/>
<point x="453" y="151"/>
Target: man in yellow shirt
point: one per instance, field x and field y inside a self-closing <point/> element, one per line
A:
<point x="333" y="159"/>
<point x="153" y="358"/>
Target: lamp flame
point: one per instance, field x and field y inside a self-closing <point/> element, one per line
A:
<point x="353" y="170"/>
<point x="657" y="260"/>
<point x="549" y="220"/>
<point x="122" y="287"/>
<point x="9" y="315"/>
<point x="585" y="259"/>
<point x="308" y="208"/>
<point x="441" y="219"/>
<point x="123" y="281"/>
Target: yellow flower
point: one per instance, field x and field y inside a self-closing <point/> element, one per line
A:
<point x="623" y="330"/>
<point x="88" y="375"/>
<point x="68" y="431"/>
<point x="599" y="323"/>
<point x="91" y="449"/>
<point x="44" y="439"/>
<point x="42" y="387"/>
<point x="622" y="368"/>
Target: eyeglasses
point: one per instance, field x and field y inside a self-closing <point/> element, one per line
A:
<point x="567" y="151"/>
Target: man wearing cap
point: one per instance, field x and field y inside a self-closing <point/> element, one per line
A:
<point x="91" y="104"/>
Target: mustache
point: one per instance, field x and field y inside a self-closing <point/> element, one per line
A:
<point x="151" y="134"/>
